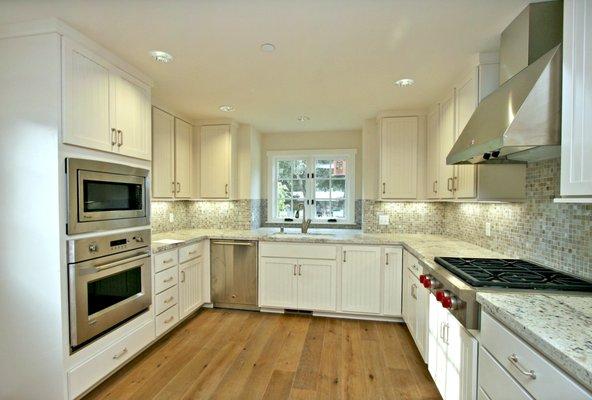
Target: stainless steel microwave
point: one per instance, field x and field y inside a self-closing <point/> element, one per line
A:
<point x="104" y="196"/>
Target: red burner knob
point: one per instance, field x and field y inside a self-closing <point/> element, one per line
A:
<point x="440" y="295"/>
<point x="447" y="302"/>
<point x="427" y="282"/>
<point x="422" y="278"/>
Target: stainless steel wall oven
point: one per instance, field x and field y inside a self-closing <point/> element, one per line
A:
<point x="109" y="281"/>
<point x="104" y="196"/>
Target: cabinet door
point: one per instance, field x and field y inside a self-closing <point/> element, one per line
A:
<point x="190" y="283"/>
<point x="576" y="128"/>
<point x="278" y="282"/>
<point x="183" y="138"/>
<point x="392" y="281"/>
<point x="446" y="138"/>
<point x="163" y="136"/>
<point x="437" y="347"/>
<point x="360" y="279"/>
<point x="215" y="161"/>
<point x="421" y="320"/>
<point x="85" y="99"/>
<point x="410" y="301"/>
<point x="130" y="105"/>
<point x="461" y="361"/>
<point x="467" y="99"/>
<point x="433" y="153"/>
<point x="316" y="285"/>
<point x="398" y="158"/>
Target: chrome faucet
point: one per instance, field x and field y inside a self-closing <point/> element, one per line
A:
<point x="305" y="222"/>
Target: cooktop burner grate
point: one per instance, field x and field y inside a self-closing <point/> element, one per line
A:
<point x="510" y="273"/>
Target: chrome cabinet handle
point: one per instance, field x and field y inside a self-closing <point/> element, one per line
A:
<point x="387" y="258"/>
<point x="383" y="188"/>
<point x="178" y="187"/>
<point x="167" y="301"/>
<point x="169" y="319"/>
<point x="344" y="256"/>
<point x="513" y="358"/>
<point x="414" y="291"/>
<point x="455" y="184"/>
<point x="168" y="280"/>
<point x="446" y="332"/>
<point x="299" y="270"/>
<point x="435" y="187"/>
<point x="449" y="184"/>
<point x="183" y="276"/>
<point x="192" y="252"/>
<point x="119" y="138"/>
<point x="442" y="331"/>
<point x="168" y="260"/>
<point x="226" y="189"/>
<point x="113" y="136"/>
<point x="294" y="270"/>
<point x="120" y="354"/>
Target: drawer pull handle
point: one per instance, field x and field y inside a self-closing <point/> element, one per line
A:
<point x="168" y="280"/>
<point x="169" y="319"/>
<point x="120" y="354"/>
<point x="193" y="252"/>
<point x="168" y="260"/>
<point x="167" y="301"/>
<point x="513" y="358"/>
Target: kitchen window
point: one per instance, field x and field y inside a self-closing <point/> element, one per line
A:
<point x="322" y="181"/>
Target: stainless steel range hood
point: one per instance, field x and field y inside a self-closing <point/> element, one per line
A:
<point x="520" y="121"/>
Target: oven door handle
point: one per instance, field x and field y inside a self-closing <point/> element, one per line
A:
<point x="121" y="262"/>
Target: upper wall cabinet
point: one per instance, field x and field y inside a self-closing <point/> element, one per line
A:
<point x="171" y="159"/>
<point x="218" y="161"/>
<point x="398" y="157"/>
<point x="104" y="108"/>
<point x="576" y="136"/>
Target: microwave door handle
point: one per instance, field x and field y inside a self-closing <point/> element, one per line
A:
<point x="120" y="262"/>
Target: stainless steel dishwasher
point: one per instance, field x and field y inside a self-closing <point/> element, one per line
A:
<point x="234" y="274"/>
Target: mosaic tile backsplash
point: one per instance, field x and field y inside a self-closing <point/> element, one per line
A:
<point x="404" y="217"/>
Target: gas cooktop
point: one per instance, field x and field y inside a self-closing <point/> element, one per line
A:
<point x="510" y="273"/>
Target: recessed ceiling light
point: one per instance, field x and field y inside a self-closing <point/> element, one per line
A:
<point x="303" y="118"/>
<point x="226" y="108"/>
<point x="267" y="47"/>
<point x="405" y="82"/>
<point x="161" y="56"/>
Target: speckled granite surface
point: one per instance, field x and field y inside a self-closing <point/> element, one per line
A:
<point x="559" y="326"/>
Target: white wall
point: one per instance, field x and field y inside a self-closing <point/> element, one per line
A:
<point x="249" y="162"/>
<point x="323" y="140"/>
<point x="31" y="365"/>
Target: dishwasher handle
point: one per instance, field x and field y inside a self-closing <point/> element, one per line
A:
<point x="234" y="243"/>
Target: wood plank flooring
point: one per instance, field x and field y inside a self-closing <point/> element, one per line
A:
<point x="226" y="354"/>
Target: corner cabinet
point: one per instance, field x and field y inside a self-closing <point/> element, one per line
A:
<point x="172" y="157"/>
<point x="218" y="161"/>
<point x="398" y="157"/>
<point x="104" y="108"/>
<point x="576" y="128"/>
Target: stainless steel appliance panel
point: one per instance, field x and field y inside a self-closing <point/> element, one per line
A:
<point x="104" y="196"/>
<point x="234" y="274"/>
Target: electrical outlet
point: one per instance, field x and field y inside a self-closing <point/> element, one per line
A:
<point x="488" y="229"/>
<point x="171" y="217"/>
<point x="383" y="219"/>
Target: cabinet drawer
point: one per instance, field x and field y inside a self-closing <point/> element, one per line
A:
<point x="291" y="250"/>
<point x="166" y="279"/>
<point x="167" y="320"/>
<point x="190" y="252"/>
<point x="495" y="381"/>
<point x="411" y="263"/>
<point x="165" y="260"/>
<point x="85" y="375"/>
<point x="166" y="299"/>
<point x="549" y="382"/>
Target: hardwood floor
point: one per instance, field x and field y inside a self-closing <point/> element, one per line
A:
<point x="225" y="354"/>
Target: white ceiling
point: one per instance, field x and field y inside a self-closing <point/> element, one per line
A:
<point x="336" y="60"/>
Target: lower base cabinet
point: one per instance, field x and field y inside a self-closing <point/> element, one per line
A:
<point x="190" y="286"/>
<point x="415" y="304"/>
<point x="361" y="279"/>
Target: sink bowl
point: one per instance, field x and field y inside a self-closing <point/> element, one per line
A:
<point x="304" y="235"/>
<point x="168" y="241"/>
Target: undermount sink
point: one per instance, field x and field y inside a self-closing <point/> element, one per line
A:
<point x="168" y="241"/>
<point x="304" y="235"/>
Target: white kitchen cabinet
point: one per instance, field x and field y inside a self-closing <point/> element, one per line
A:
<point x="305" y="284"/>
<point x="398" y="157"/>
<point x="278" y="282"/>
<point x="409" y="301"/>
<point x="452" y="355"/>
<point x="172" y="156"/>
<point x="316" y="285"/>
<point x="415" y="303"/>
<point x="360" y="279"/>
<point x="163" y="155"/>
<point x="446" y="141"/>
<point x="433" y="152"/>
<point x="576" y="113"/>
<point x="218" y="161"/>
<point x="392" y="281"/>
<point x="467" y="99"/>
<point x="104" y="107"/>
<point x="190" y="286"/>
<point x="422" y="316"/>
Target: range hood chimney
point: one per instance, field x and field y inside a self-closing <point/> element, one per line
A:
<point x="520" y="121"/>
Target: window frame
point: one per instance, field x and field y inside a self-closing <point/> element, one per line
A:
<point x="349" y="155"/>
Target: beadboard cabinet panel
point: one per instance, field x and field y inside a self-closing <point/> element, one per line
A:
<point x="183" y="162"/>
<point x="163" y="155"/>
<point x="216" y="158"/>
<point x="278" y="282"/>
<point x="360" y="279"/>
<point x="316" y="285"/>
<point x="190" y="286"/>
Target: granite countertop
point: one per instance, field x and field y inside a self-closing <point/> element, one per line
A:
<point x="558" y="325"/>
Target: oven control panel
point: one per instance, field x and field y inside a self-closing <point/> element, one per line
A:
<point x="99" y="246"/>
